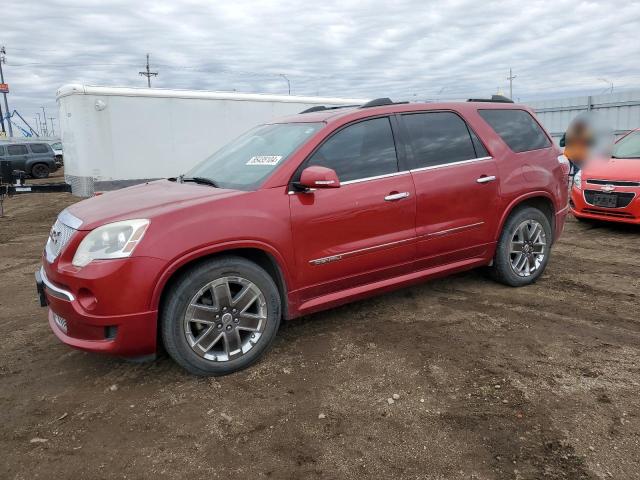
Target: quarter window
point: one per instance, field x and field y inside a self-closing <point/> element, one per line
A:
<point x="365" y="149"/>
<point x="517" y="128"/>
<point x="38" y="148"/>
<point x="439" y="138"/>
<point x="16" y="149"/>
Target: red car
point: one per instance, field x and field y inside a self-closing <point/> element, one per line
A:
<point x="610" y="190"/>
<point x="313" y="211"/>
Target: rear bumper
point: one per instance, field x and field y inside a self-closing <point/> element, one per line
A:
<point x="581" y="209"/>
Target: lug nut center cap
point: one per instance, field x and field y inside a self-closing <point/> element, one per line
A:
<point x="226" y="318"/>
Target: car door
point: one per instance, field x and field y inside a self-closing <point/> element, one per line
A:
<point x="456" y="183"/>
<point x="364" y="230"/>
<point x="17" y="155"/>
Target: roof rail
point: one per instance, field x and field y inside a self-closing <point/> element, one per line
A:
<point x="494" y="99"/>
<point x="379" y="102"/>
<point x="321" y="108"/>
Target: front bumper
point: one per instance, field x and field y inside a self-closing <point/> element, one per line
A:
<point x="581" y="209"/>
<point x="108" y="328"/>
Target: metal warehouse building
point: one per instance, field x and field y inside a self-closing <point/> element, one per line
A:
<point x="621" y="111"/>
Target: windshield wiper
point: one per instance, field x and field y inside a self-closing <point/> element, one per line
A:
<point x="198" y="180"/>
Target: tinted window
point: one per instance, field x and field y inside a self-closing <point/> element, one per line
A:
<point x="1" y="150"/>
<point x="363" y="150"/>
<point x="38" y="148"/>
<point x="438" y="138"/>
<point x="16" y="149"/>
<point x="517" y="128"/>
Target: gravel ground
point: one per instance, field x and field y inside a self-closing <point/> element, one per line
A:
<point x="459" y="378"/>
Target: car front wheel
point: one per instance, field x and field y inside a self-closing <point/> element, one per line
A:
<point x="220" y="316"/>
<point x="523" y="249"/>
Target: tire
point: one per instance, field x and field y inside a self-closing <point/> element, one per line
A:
<point x="527" y="230"/>
<point x="211" y="292"/>
<point x="40" y="170"/>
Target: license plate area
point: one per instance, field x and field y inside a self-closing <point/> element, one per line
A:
<point x="606" y="200"/>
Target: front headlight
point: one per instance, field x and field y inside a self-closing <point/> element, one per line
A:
<point x="577" y="179"/>
<point x="114" y="240"/>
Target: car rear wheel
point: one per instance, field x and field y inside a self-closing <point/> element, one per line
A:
<point x="40" y="170"/>
<point x="220" y="316"/>
<point x="523" y="249"/>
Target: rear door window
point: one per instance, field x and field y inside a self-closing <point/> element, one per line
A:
<point x="16" y="150"/>
<point x="439" y="138"/>
<point x="365" y="149"/>
<point x="39" y="148"/>
<point x="517" y="128"/>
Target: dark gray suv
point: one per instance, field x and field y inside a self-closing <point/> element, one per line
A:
<point x="36" y="159"/>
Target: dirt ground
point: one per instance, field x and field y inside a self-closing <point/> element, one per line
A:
<point x="540" y="382"/>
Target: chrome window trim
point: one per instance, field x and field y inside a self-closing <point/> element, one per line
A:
<point x="69" y="219"/>
<point x="377" y="177"/>
<point x="443" y="165"/>
<point x="55" y="291"/>
<point x="404" y="172"/>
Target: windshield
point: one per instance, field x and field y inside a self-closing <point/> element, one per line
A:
<point x="628" y="147"/>
<point x="249" y="159"/>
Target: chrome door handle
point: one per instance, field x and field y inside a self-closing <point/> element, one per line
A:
<point x="396" y="196"/>
<point x="486" y="179"/>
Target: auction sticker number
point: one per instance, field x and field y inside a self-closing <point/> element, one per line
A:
<point x="265" y="160"/>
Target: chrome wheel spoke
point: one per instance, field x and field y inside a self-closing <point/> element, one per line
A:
<point x="208" y="339"/>
<point x="250" y="322"/>
<point x="245" y="298"/>
<point x="233" y="343"/>
<point x="204" y="314"/>
<point x="222" y="294"/>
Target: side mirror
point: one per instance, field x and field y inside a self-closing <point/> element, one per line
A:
<point x="319" y="177"/>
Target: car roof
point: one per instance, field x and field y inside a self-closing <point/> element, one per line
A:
<point x="345" y="114"/>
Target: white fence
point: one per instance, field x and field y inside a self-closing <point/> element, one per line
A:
<point x="621" y="111"/>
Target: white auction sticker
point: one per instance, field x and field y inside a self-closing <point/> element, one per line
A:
<point x="265" y="160"/>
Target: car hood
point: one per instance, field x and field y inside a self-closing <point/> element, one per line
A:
<point x="615" y="169"/>
<point x="147" y="200"/>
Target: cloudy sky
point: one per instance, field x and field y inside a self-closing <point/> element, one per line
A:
<point x="410" y="49"/>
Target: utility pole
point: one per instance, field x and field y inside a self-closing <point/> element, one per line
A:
<point x="44" y="123"/>
<point x="148" y="73"/>
<point x="53" y="131"/>
<point x="3" y="59"/>
<point x="510" y="78"/>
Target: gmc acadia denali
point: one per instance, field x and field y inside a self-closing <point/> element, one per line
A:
<point x="300" y="215"/>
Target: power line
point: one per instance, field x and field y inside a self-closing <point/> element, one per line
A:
<point x="148" y="73"/>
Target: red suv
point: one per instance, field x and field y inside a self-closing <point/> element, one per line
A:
<point x="300" y="215"/>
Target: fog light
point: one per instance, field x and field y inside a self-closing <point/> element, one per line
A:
<point x="60" y="322"/>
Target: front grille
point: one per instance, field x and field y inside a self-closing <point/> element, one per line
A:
<point x="617" y="183"/>
<point x="58" y="238"/>
<point x="623" y="199"/>
<point x="609" y="213"/>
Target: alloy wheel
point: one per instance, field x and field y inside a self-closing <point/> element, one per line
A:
<point x="225" y="319"/>
<point x="528" y="248"/>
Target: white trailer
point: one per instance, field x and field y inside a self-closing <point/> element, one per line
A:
<point x="117" y="136"/>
